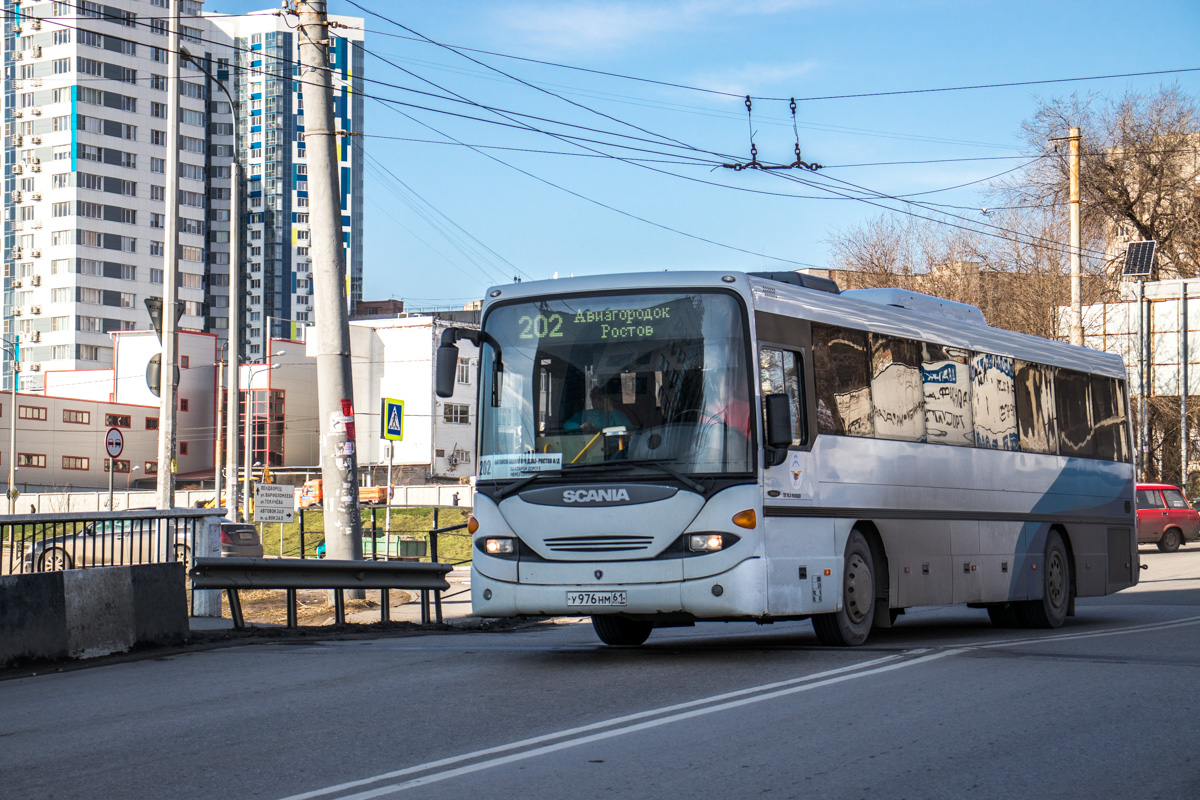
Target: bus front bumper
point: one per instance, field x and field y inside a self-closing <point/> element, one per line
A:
<point x="737" y="593"/>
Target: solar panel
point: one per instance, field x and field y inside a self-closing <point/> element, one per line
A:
<point x="1139" y="259"/>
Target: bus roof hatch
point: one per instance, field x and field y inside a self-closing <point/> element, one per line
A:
<point x="924" y="303"/>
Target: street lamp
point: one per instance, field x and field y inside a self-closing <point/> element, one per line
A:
<point x="250" y="373"/>
<point x="129" y="475"/>
<point x="235" y="334"/>
<point x="14" y="348"/>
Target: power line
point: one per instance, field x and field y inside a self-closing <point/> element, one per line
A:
<point x="739" y="96"/>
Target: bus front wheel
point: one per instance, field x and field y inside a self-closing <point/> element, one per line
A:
<point x="850" y="626"/>
<point x="1050" y="611"/>
<point x="617" y="630"/>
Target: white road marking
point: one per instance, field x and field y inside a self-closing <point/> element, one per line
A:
<point x="627" y="724"/>
<point x="645" y="720"/>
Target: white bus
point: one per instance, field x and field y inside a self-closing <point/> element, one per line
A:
<point x="657" y="449"/>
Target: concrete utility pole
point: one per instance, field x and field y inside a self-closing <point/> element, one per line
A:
<point x="165" y="495"/>
<point x="335" y="388"/>
<point x="1076" y="272"/>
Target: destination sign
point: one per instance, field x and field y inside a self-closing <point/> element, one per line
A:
<point x="603" y="324"/>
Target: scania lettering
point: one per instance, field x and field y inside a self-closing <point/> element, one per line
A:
<point x="665" y="448"/>
<point x="595" y="495"/>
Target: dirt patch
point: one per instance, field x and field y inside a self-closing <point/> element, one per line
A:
<point x="313" y="606"/>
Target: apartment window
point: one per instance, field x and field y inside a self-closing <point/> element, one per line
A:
<point x="85" y="65"/>
<point x="119" y="465"/>
<point x="128" y="300"/>
<point x="158" y="82"/>
<point x="457" y="413"/>
<point x="62" y="37"/>
<point x="158" y="192"/>
<point x="37" y="460"/>
<point x="62" y="123"/>
<point x="183" y="404"/>
<point x="62" y="294"/>
<point x="183" y="448"/>
<point x="31" y="412"/>
<point x="158" y="138"/>
<point x="464" y="370"/>
<point x="191" y="253"/>
<point x="156" y="275"/>
<point x="156" y="249"/>
<point x="158" y="110"/>
<point x="60" y="351"/>
<point x="151" y="423"/>
<point x="150" y="467"/>
<point x="60" y="209"/>
<point x="89" y="352"/>
<point x="116" y="420"/>
<point x="77" y="417"/>
<point x="61" y="66"/>
<point x="89" y="324"/>
<point x="157" y="220"/>
<point x="74" y="462"/>
<point x="60" y="324"/>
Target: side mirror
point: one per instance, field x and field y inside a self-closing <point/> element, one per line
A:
<point x="779" y="428"/>
<point x="447" y="369"/>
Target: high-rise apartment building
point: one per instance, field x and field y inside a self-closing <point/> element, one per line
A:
<point x="84" y="152"/>
<point x="277" y="270"/>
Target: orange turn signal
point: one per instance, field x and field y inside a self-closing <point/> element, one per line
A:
<point x="745" y="519"/>
<point x="472" y="524"/>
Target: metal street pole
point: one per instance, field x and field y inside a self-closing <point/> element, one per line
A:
<point x="170" y="355"/>
<point x="250" y="373"/>
<point x="15" y="348"/>
<point x="234" y="340"/>
<point x="235" y="325"/>
<point x="217" y="436"/>
<point x="335" y="388"/>
<point x="1076" y="271"/>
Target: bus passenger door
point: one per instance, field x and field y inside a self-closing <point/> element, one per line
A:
<point x="792" y="536"/>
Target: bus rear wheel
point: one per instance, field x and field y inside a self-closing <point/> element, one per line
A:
<point x="616" y="630"/>
<point x="1050" y="610"/>
<point x="850" y="626"/>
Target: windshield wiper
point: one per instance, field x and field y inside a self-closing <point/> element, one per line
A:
<point x="661" y="463"/>
<point x="604" y="466"/>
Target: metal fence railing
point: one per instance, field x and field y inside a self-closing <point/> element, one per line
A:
<point x="51" y="542"/>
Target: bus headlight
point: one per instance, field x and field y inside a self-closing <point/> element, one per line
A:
<point x="705" y="542"/>
<point x="499" y="546"/>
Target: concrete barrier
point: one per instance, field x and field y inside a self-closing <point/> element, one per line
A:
<point x="83" y="613"/>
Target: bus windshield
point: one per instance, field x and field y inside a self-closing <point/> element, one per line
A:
<point x="644" y="380"/>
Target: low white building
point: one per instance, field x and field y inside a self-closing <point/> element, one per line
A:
<point x="60" y="431"/>
<point x="395" y="359"/>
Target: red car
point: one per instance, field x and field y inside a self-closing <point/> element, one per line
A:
<point x="1165" y="517"/>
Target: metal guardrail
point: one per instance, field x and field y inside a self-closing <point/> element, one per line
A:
<point x="232" y="574"/>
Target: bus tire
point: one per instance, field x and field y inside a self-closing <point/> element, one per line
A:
<point x="1050" y="610"/>
<point x="1169" y="542"/>
<point x="1005" y="615"/>
<point x="619" y="631"/>
<point x="850" y="626"/>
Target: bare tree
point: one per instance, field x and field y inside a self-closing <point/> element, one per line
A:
<point x="1138" y="170"/>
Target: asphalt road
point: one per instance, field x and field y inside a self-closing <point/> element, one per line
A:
<point x="942" y="705"/>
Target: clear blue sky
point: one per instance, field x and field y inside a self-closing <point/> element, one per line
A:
<point x="462" y="221"/>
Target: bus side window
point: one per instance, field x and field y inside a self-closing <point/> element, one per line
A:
<point x="779" y="373"/>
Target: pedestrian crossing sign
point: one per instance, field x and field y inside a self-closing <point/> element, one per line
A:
<point x="391" y="416"/>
